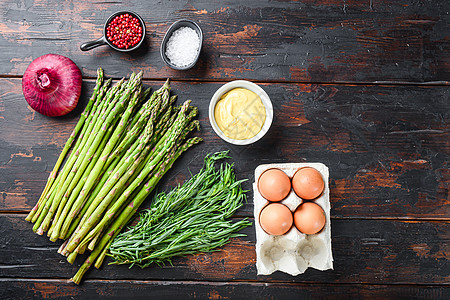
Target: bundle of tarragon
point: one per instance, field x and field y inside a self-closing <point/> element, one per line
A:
<point x="192" y="218"/>
<point x="124" y="142"/>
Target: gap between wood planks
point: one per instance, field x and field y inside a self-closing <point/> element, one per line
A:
<point x="358" y="83"/>
<point x="400" y="219"/>
<point x="211" y="282"/>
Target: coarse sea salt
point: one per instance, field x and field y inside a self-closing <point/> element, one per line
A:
<point x="182" y="46"/>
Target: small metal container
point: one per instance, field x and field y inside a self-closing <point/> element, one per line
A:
<point x="172" y="28"/>
<point x="104" y="40"/>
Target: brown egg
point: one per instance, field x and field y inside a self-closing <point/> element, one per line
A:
<point x="308" y="183"/>
<point x="274" y="185"/>
<point x="309" y="218"/>
<point x="276" y="219"/>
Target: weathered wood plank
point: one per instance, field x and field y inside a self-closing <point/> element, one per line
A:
<point x="311" y="41"/>
<point x="387" y="147"/>
<point x="59" y="289"/>
<point x="364" y="251"/>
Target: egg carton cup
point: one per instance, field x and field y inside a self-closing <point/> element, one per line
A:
<point x="294" y="251"/>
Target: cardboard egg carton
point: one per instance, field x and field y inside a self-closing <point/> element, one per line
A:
<point x="294" y="251"/>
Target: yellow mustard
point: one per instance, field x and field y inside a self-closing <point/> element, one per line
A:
<point x="240" y="114"/>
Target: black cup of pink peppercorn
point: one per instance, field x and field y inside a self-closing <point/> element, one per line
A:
<point x="104" y="39"/>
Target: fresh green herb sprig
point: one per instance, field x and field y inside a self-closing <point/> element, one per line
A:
<point x="190" y="219"/>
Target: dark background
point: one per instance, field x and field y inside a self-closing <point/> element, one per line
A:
<point x="361" y="86"/>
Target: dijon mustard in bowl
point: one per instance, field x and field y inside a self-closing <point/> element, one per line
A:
<point x="240" y="112"/>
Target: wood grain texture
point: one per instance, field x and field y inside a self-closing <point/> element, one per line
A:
<point x="364" y="251"/>
<point x="362" y="86"/>
<point x="310" y="41"/>
<point x="160" y="290"/>
<point x="387" y="147"/>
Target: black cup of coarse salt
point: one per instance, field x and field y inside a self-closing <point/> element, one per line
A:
<point x="181" y="46"/>
<point x="123" y="31"/>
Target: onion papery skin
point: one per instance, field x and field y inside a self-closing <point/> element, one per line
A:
<point x="52" y="85"/>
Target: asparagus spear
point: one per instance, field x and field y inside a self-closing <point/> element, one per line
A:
<point x="154" y="99"/>
<point x="117" y="205"/>
<point x="72" y="157"/>
<point x="165" y="143"/>
<point x="67" y="200"/>
<point x="96" y="165"/>
<point x="152" y="158"/>
<point x="70" y="165"/>
<point x="149" y="110"/>
<point x="69" y="142"/>
<point x="51" y="191"/>
<point x="48" y="202"/>
<point x="78" y="222"/>
<point x="107" y="193"/>
<point x="116" y="226"/>
<point x="118" y="108"/>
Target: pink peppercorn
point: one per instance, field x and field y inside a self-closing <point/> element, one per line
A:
<point x="124" y="31"/>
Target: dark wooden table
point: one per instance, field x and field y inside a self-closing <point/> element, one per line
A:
<point x="361" y="86"/>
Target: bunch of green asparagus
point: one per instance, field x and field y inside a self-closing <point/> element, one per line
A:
<point x="123" y="144"/>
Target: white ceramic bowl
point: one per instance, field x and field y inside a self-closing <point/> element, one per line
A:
<point x="252" y="87"/>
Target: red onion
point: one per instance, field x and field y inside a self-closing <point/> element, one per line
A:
<point x="52" y="85"/>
